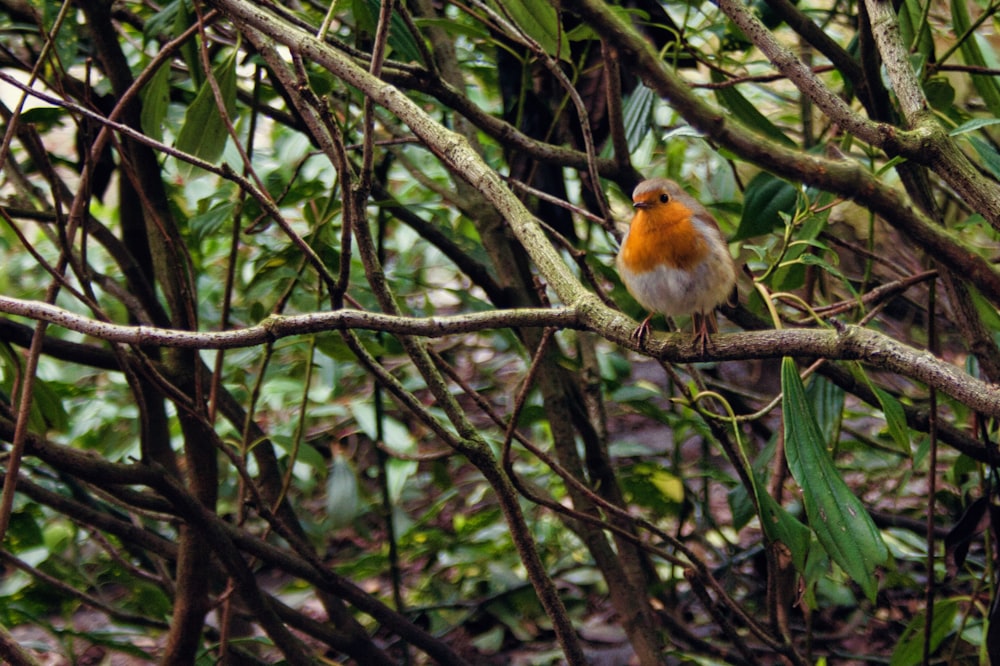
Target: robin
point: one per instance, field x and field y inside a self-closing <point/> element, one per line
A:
<point x="674" y="259"/>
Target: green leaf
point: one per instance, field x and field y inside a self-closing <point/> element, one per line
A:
<point x="972" y="53"/>
<point x="155" y="101"/>
<point x="58" y="535"/>
<point x="828" y="399"/>
<point x="47" y="411"/>
<point x="305" y="453"/>
<point x="189" y="49"/>
<point x="540" y="21"/>
<point x="940" y="93"/>
<point x="746" y="112"/>
<point x="401" y="40"/>
<point x="784" y="528"/>
<point x="792" y="276"/>
<point x="810" y="259"/>
<point x="986" y="310"/>
<point x="915" y="32"/>
<point x="159" y="24"/>
<point x="204" y="132"/>
<point x="43" y="117"/>
<point x="740" y="507"/>
<point x="987" y="153"/>
<point x="66" y="40"/>
<point x="973" y="125"/>
<point x="50" y="408"/>
<point x="396" y="437"/>
<point x="895" y="420"/>
<point x="209" y="222"/>
<point x="654" y="487"/>
<point x="890" y="165"/>
<point x="638" y="116"/>
<point x="766" y="196"/>
<point x="779" y="525"/>
<point x="397" y="473"/>
<point x="895" y="417"/>
<point x="343" y="503"/>
<point x="25" y="531"/>
<point x="841" y="523"/>
<point x="909" y="650"/>
<point x="671" y="486"/>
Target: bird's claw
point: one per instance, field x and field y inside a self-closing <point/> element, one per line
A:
<point x="641" y="333"/>
<point x="702" y="338"/>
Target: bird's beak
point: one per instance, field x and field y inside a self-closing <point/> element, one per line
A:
<point x="640" y="204"/>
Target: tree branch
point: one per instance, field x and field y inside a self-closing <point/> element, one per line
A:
<point x="875" y="133"/>
<point x="846" y="178"/>
<point x="924" y="142"/>
<point x="850" y="343"/>
<point x="281" y="326"/>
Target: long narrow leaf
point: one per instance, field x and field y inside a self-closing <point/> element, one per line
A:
<point x="638" y="113"/>
<point x="189" y="49"/>
<point x="828" y="400"/>
<point x="540" y="21"/>
<point x="155" y="100"/>
<point x="343" y="500"/>
<point x="914" y="29"/>
<point x="840" y="521"/>
<point x="895" y="420"/>
<point x="747" y="113"/>
<point x="784" y="528"/>
<point x="779" y="525"/>
<point x="973" y="125"/>
<point x="972" y="53"/>
<point x="204" y="132"/>
<point x="987" y="153"/>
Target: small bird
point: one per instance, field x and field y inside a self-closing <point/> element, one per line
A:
<point x="674" y="259"/>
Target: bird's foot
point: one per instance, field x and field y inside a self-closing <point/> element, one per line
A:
<point x="641" y="332"/>
<point x="702" y="338"/>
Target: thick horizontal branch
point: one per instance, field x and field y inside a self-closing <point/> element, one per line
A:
<point x="283" y="326"/>
<point x="845" y="343"/>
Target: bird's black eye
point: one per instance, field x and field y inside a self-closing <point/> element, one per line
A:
<point x="664" y="197"/>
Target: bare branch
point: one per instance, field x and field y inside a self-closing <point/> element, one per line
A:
<point x="282" y="326"/>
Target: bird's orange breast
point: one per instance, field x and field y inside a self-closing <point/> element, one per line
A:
<point x="662" y="235"/>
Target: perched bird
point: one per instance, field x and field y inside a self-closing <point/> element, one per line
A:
<point x="674" y="259"/>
